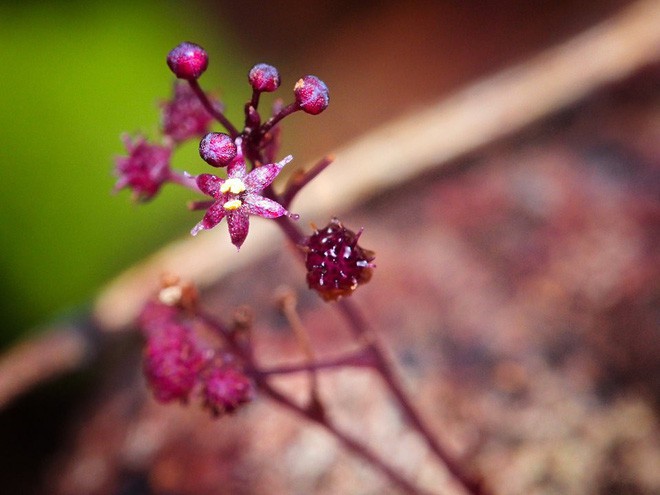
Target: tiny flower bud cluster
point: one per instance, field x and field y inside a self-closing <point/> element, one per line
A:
<point x="145" y="169"/>
<point x="179" y="365"/>
<point x="248" y="155"/>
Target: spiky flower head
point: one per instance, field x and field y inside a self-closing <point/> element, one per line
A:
<point x="171" y="361"/>
<point x="225" y="389"/>
<point x="145" y="169"/>
<point x="336" y="264"/>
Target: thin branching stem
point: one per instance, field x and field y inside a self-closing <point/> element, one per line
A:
<point x="363" y="332"/>
<point x="298" y="181"/>
<point x="362" y="358"/>
<point x="314" y="412"/>
<point x="217" y="114"/>
<point x="349" y="442"/>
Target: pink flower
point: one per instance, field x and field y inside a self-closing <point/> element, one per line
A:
<point x="237" y="197"/>
<point x="185" y="117"/>
<point x="172" y="362"/>
<point x="145" y="169"/>
<point x="225" y="389"/>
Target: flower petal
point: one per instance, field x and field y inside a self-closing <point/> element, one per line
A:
<point x="264" y="207"/>
<point x="237" y="168"/>
<point x="212" y="218"/>
<point x="262" y="177"/>
<point x="209" y="184"/>
<point x="239" y="224"/>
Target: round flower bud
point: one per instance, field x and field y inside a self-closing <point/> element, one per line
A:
<point x="311" y="94"/>
<point x="188" y="60"/>
<point x="264" y="77"/>
<point x="217" y="149"/>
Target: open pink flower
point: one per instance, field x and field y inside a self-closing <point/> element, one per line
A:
<point x="237" y="197"/>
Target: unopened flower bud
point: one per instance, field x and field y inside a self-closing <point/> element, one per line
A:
<point x="311" y="94"/>
<point x="188" y="60"/>
<point x="217" y="149"/>
<point x="264" y="78"/>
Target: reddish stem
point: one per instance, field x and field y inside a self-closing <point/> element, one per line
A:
<point x="301" y="180"/>
<point x="361" y="328"/>
<point x="217" y="114"/>
<point x="314" y="414"/>
<point x="362" y="331"/>
<point x="287" y="110"/>
<point x="361" y="358"/>
<point x="349" y="442"/>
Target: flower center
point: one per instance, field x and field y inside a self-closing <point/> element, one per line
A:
<point x="232" y="185"/>
<point x="232" y="204"/>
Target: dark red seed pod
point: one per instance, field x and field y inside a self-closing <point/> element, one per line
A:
<point x="264" y="78"/>
<point x="311" y="94"/>
<point x="336" y="265"/>
<point x="188" y="60"/>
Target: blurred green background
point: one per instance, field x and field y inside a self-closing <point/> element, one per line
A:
<point x="75" y="75"/>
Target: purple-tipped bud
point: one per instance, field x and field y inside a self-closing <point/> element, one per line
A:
<point x="264" y="78"/>
<point x="225" y="389"/>
<point x="217" y="149"/>
<point x="335" y="264"/>
<point x="188" y="60"/>
<point x="311" y="94"/>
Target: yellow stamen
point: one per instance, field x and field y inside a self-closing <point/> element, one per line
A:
<point x="232" y="185"/>
<point x="232" y="204"/>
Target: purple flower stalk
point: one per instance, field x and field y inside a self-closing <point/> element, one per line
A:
<point x="237" y="197"/>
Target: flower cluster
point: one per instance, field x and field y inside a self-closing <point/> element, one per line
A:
<point x="179" y="360"/>
<point x="179" y="365"/>
<point x="247" y="155"/>
<point x="190" y="355"/>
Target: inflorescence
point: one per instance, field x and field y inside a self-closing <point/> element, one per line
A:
<point x="192" y="357"/>
<point x="177" y="363"/>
